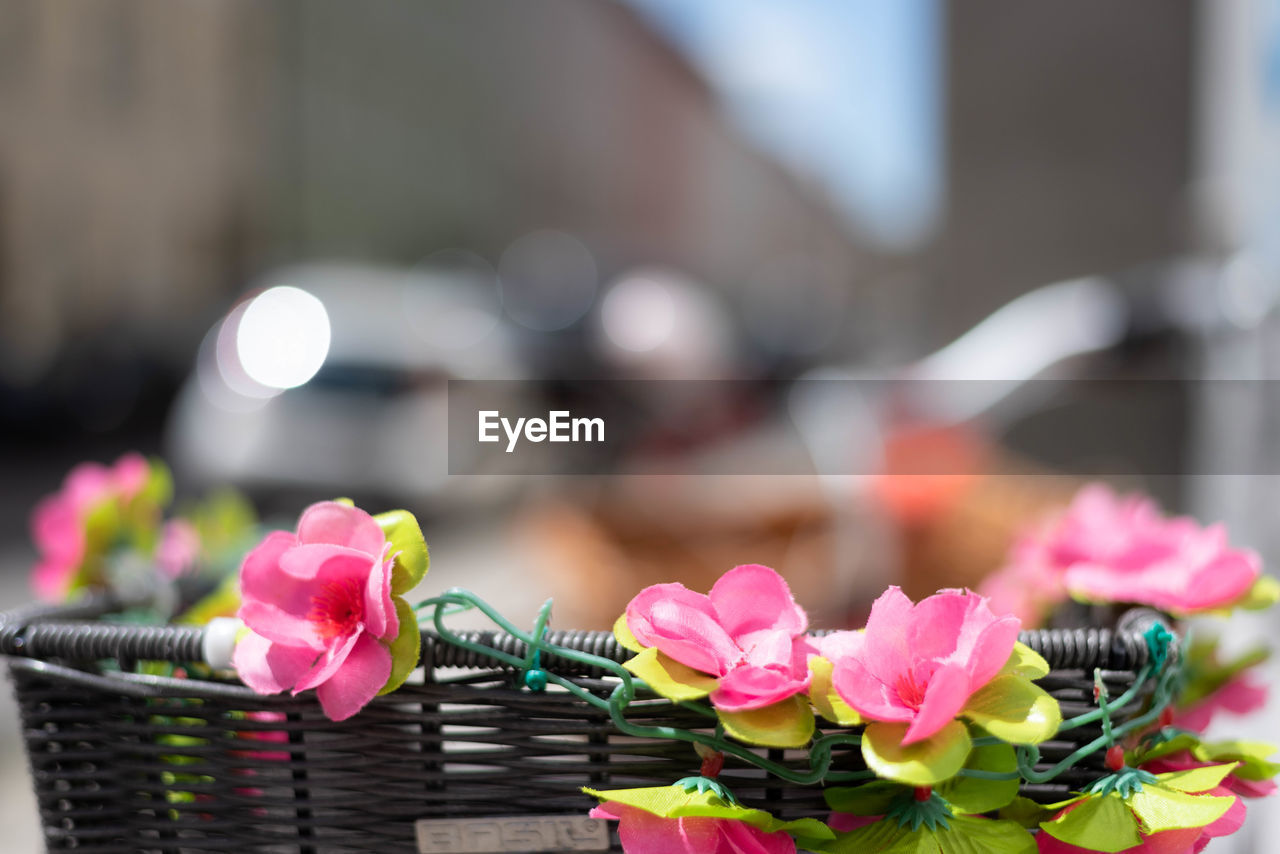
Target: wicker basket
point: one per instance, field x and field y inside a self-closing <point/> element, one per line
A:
<point x="129" y="762"/>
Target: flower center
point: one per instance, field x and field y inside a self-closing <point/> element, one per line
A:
<point x="337" y="608"/>
<point x="910" y="692"/>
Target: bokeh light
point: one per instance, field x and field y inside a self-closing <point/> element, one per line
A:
<point x="283" y="337"/>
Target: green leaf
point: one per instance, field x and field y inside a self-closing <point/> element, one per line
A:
<point x="1254" y="757"/>
<point x="1177" y="744"/>
<point x="1015" y="710"/>
<point x="964" y="836"/>
<point x="158" y="490"/>
<point x="1206" y="674"/>
<point x="1158" y="808"/>
<point x="968" y="835"/>
<point x="822" y="694"/>
<point x="406" y="648"/>
<point x="677" y="802"/>
<point x="978" y="795"/>
<point x="868" y="799"/>
<point x="1025" y="812"/>
<point x="1025" y="661"/>
<point x="883" y="837"/>
<point x="925" y="763"/>
<point x="405" y="535"/>
<point x="622" y="632"/>
<point x="1264" y="593"/>
<point x="1196" y="779"/>
<point x="1101" y="823"/>
<point x="809" y="833"/>
<point x="788" y="723"/>
<point x="670" y="678"/>
<point x="224" y="601"/>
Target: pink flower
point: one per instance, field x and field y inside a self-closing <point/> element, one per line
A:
<point x="60" y="522"/>
<point x="919" y="664"/>
<point x="1240" y="696"/>
<point x="643" y="832"/>
<point x="1106" y="548"/>
<point x="320" y="608"/>
<point x="748" y="632"/>
<point x="179" y="548"/>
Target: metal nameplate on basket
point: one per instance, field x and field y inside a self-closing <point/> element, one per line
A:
<point x="512" y="834"/>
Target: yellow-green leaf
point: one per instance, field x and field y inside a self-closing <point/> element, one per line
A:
<point x="883" y="837"/>
<point x="158" y="490"/>
<point x="925" y="763"/>
<point x="983" y="836"/>
<point x="412" y="559"/>
<point x="1024" y="812"/>
<point x="224" y="601"/>
<point x="1253" y="756"/>
<point x="1015" y="710"/>
<point x="974" y="795"/>
<point x="1196" y="779"/>
<point x="1025" y="661"/>
<point x="1158" y="808"/>
<point x="670" y="678"/>
<point x="1264" y="593"/>
<point x="871" y="798"/>
<point x="406" y="648"/>
<point x="1101" y="823"/>
<point x="788" y="723"/>
<point x="824" y="697"/>
<point x="622" y="632"/>
<point x="678" y="802"/>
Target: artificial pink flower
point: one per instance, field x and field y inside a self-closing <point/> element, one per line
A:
<point x="1233" y="784"/>
<point x="320" y="609"/>
<point x="919" y="664"/>
<point x="179" y="548"/>
<point x="1106" y="548"/>
<point x="1239" y="696"/>
<point x="59" y="522"/>
<point x="748" y="632"/>
<point x="643" y="832"/>
<point x="1179" y="841"/>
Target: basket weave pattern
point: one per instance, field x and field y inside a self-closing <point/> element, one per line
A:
<point x="128" y="762"/>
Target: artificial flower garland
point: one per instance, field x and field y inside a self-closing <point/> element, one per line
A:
<point x="939" y="695"/>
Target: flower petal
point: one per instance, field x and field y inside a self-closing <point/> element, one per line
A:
<point x="738" y="836"/>
<point x="752" y="598"/>
<point x="275" y="604"/>
<point x="751" y="687"/>
<point x="379" y="611"/>
<point x="683" y="624"/>
<point x="944" y="696"/>
<point x="269" y="668"/>
<point x="866" y="694"/>
<point x="363" y="673"/>
<point x="340" y="525"/>
<point x="331" y="661"/>
<point x="886" y="652"/>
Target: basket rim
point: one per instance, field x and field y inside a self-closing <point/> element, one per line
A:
<point x="75" y="632"/>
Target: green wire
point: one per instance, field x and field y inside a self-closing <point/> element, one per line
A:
<point x="820" y="754"/>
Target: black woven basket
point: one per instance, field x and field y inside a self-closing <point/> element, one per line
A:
<point x="129" y="762"/>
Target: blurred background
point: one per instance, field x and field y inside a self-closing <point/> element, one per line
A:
<point x="257" y="238"/>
